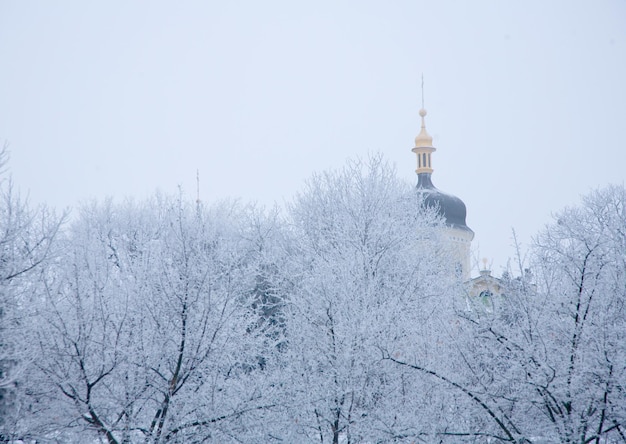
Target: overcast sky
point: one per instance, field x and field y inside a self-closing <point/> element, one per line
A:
<point x="526" y="99"/>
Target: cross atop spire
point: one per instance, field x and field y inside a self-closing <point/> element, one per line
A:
<point x="422" y="90"/>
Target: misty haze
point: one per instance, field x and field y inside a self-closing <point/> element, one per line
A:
<point x="274" y="222"/>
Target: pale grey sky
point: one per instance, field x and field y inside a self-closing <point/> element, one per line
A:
<point x="526" y="99"/>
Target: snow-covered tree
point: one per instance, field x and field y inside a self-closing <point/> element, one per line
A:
<point x="549" y="361"/>
<point x="580" y="264"/>
<point x="368" y="272"/>
<point x="26" y="238"/>
<point x="147" y="330"/>
<point x="341" y="321"/>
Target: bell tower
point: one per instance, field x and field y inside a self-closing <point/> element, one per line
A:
<point x="424" y="148"/>
<point x="450" y="208"/>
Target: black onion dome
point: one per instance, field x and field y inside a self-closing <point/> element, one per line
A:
<point x="450" y="207"/>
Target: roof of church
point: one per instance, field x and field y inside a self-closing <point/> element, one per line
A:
<point x="450" y="207"/>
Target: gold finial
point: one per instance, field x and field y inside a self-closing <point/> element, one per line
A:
<point x="423" y="138"/>
<point x="486" y="269"/>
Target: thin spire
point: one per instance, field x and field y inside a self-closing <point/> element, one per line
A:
<point x="198" y="203"/>
<point x="422" y="90"/>
<point x="198" y="186"/>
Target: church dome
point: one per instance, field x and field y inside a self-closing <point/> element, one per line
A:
<point x="450" y="207"/>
